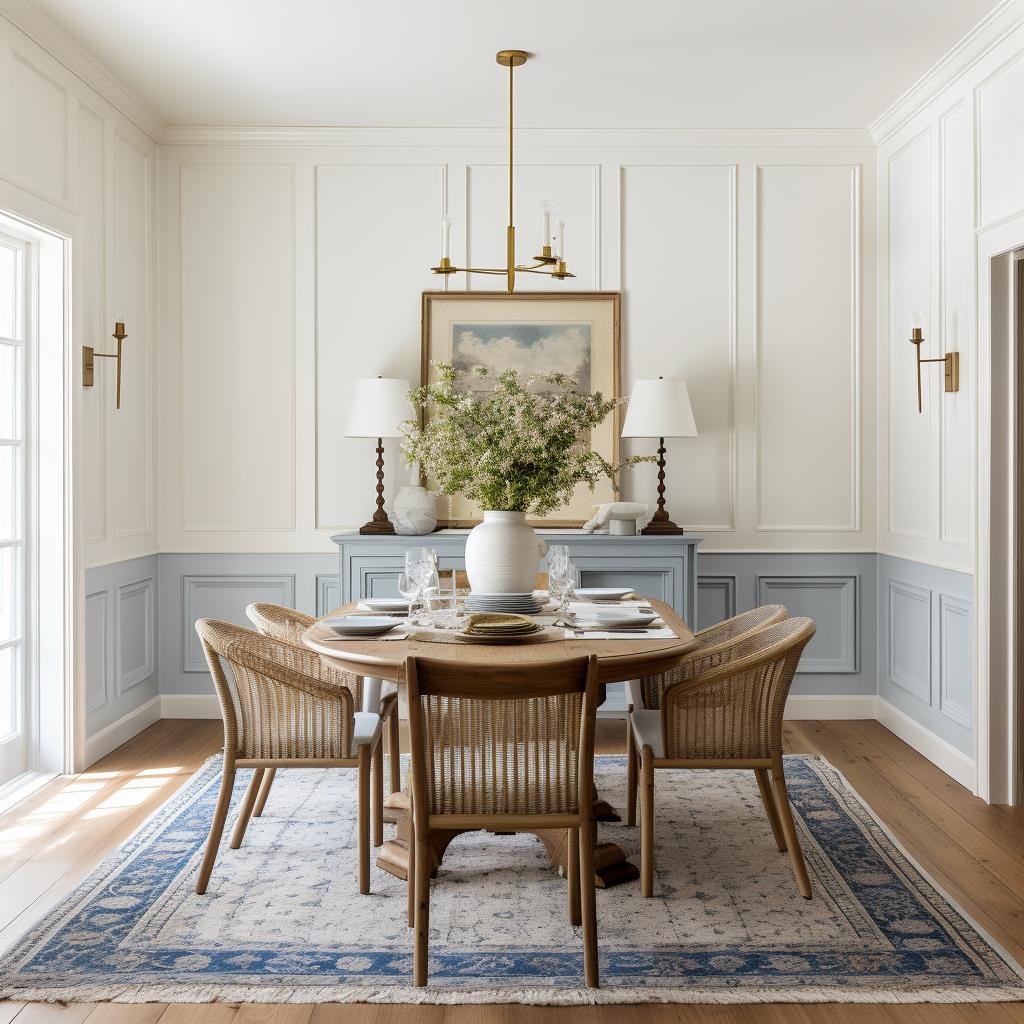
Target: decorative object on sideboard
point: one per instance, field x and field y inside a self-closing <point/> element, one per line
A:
<point x="551" y="261"/>
<point x="575" y="333"/>
<point x="516" y="445"/>
<point x="660" y="408"/>
<point x="90" y="355"/>
<point x="618" y="518"/>
<point x="951" y="360"/>
<point x="378" y="408"/>
<point x="415" y="510"/>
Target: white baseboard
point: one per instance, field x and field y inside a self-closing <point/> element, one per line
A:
<point x="189" y="705"/>
<point x="121" y="731"/>
<point x="803" y="707"/>
<point x="943" y="755"/>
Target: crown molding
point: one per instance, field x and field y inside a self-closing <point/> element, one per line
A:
<point x="497" y="138"/>
<point x="30" y="20"/>
<point x="1002" y="20"/>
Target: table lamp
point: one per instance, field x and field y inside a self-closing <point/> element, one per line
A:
<point x="660" y="408"/>
<point x="379" y="405"/>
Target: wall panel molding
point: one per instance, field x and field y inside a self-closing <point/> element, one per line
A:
<point x="817" y="220"/>
<point x="718" y="592"/>
<point x="97" y="687"/>
<point x="139" y="664"/>
<point x="224" y="597"/>
<point x="328" y="593"/>
<point x="834" y="648"/>
<point x="910" y="639"/>
<point x="955" y="660"/>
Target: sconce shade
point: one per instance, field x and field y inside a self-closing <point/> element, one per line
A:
<point x="378" y="406"/>
<point x="659" y="408"/>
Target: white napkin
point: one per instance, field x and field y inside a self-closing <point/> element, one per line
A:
<point x="398" y="633"/>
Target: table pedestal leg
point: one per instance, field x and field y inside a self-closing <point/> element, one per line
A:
<point x="610" y="864"/>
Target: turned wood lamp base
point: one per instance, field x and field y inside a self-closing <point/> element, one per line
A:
<point x="379" y="523"/>
<point x="661" y="524"/>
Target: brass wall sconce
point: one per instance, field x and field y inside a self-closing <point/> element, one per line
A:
<point x="90" y="355"/>
<point x="951" y="360"/>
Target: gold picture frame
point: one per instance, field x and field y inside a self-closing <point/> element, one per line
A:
<point x="585" y="326"/>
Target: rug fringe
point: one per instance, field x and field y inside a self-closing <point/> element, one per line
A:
<point x="448" y="996"/>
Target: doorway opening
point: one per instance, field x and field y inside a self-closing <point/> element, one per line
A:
<point x="35" y="592"/>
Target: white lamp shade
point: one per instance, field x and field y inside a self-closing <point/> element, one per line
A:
<point x="378" y="406"/>
<point x="659" y="408"/>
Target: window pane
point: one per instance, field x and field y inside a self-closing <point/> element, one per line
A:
<point x="10" y="393"/>
<point x="9" y="689"/>
<point x="10" y="488"/>
<point x="8" y="283"/>
<point x="10" y="593"/>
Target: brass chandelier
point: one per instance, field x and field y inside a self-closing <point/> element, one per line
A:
<point x="551" y="261"/>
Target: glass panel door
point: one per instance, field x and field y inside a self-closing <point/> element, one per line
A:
<point x="14" y="667"/>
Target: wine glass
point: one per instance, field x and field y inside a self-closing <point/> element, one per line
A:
<point x="409" y="589"/>
<point x="561" y="583"/>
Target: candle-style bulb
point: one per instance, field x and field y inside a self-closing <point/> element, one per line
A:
<point x="917" y="319"/>
<point x="446" y="234"/>
<point x="561" y="238"/>
<point x="119" y="316"/>
<point x="546" y="209"/>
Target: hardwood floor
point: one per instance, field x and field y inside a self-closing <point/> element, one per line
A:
<point x="976" y="852"/>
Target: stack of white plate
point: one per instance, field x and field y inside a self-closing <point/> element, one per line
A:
<point x="516" y="604"/>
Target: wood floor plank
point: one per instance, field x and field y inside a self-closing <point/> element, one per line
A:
<point x="198" y="1013"/>
<point x="377" y="1013"/>
<point x="54" y="1013"/>
<point x="273" y="1013"/>
<point x="126" y="1013"/>
<point x="8" y="1011"/>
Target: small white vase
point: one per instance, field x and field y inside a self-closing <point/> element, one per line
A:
<point x="502" y="554"/>
<point x="414" y="510"/>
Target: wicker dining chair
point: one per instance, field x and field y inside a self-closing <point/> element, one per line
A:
<point x="716" y="644"/>
<point x="729" y="716"/>
<point x="283" y="708"/>
<point x="504" y="748"/>
<point x="287" y="625"/>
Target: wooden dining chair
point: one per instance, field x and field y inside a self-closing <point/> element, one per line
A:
<point x="728" y="716"/>
<point x="282" y="708"/>
<point x="503" y="748"/>
<point x="716" y="645"/>
<point x="287" y="625"/>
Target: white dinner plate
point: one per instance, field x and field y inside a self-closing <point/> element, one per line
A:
<point x="602" y="593"/>
<point x="628" y="620"/>
<point x="361" y="625"/>
<point x="386" y="604"/>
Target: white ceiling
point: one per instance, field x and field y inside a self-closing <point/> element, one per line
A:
<point x="598" y="63"/>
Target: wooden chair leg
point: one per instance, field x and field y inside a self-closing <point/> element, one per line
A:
<point x="410" y="881"/>
<point x="363" y="819"/>
<point x="422" y="927"/>
<point x="220" y="814"/>
<point x="394" y="751"/>
<point x="588" y="900"/>
<point x="378" y="793"/>
<point x="245" y="811"/>
<point x="261" y="800"/>
<point x="647" y="822"/>
<point x="631" y="770"/>
<point x="572" y="875"/>
<point x="764" y="784"/>
<point x="789" y="831"/>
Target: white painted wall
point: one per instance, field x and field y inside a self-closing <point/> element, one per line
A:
<point x="72" y="161"/>
<point x="288" y="270"/>
<point x="950" y="165"/>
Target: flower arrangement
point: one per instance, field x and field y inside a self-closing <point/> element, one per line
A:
<point x="522" y="446"/>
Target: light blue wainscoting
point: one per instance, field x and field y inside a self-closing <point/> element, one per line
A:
<point x="121" y="615"/>
<point x="926" y="647"/>
<point x="837" y="590"/>
<point x="219" y="587"/>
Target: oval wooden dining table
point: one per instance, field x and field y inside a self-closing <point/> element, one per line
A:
<point x="619" y="660"/>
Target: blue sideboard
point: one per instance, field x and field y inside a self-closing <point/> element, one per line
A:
<point x="664" y="568"/>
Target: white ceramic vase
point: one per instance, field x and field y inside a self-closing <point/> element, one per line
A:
<point x="502" y="554"/>
<point x="414" y="510"/>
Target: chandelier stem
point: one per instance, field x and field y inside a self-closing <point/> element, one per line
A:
<point x="511" y="234"/>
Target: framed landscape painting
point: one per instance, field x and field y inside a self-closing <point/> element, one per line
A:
<point x="576" y="333"/>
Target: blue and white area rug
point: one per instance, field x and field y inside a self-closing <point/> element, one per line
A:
<point x="283" y="921"/>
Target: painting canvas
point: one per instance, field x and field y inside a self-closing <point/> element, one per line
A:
<point x="574" y="333"/>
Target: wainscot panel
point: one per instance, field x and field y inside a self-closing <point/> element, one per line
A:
<point x="925" y="647"/>
<point x="836" y="589"/>
<point x="120" y="640"/>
